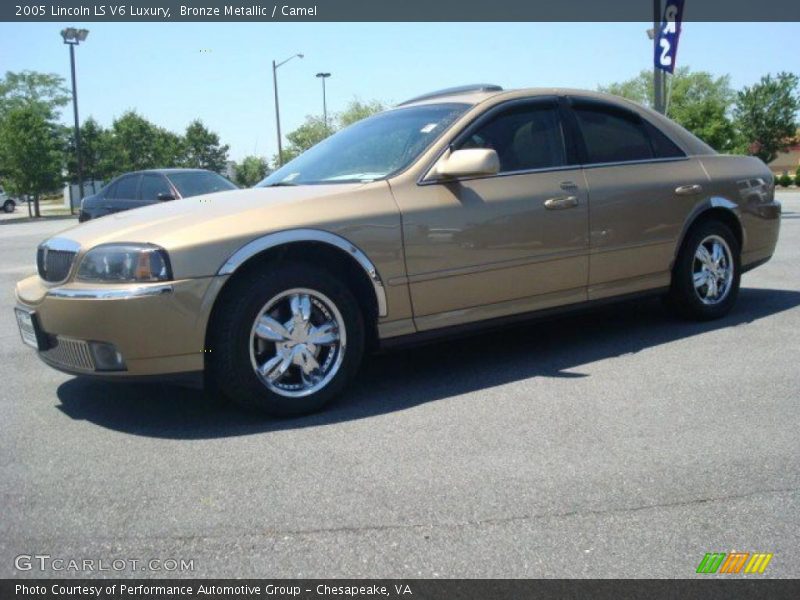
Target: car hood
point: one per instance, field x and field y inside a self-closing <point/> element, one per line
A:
<point x="202" y="231"/>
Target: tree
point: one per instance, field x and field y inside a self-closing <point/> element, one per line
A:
<point x="95" y="142"/>
<point x="766" y="115"/>
<point x="202" y="148"/>
<point x="697" y="100"/>
<point x="135" y="143"/>
<point x="250" y="171"/>
<point x="357" y="110"/>
<point x="31" y="151"/>
<point x="29" y="87"/>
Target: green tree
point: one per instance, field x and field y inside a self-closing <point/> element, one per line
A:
<point x="135" y="143"/>
<point x="95" y="142"/>
<point x="766" y="115"/>
<point x="697" y="100"/>
<point x="357" y="110"/>
<point x="203" y="149"/>
<point x="250" y="171"/>
<point x="31" y="151"/>
<point x="27" y="88"/>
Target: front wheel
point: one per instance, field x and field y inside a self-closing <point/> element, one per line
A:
<point x="286" y="341"/>
<point x="705" y="280"/>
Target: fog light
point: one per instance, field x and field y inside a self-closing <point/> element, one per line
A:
<point x="106" y="357"/>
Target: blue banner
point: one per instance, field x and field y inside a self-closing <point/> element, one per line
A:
<point x="666" y="48"/>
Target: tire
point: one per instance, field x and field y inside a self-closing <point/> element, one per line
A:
<point x="291" y="302"/>
<point x="9" y="206"/>
<point x="716" y="290"/>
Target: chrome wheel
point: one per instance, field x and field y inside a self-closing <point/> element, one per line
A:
<point x="712" y="270"/>
<point x="297" y="342"/>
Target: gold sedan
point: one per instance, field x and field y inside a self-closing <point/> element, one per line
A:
<point x="458" y="209"/>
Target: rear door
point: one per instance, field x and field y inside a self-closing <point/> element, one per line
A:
<point x="641" y="188"/>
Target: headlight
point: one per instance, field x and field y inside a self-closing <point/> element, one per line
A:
<point x="113" y="263"/>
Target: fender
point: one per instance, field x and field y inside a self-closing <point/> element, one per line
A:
<point x="291" y="236"/>
<point x="699" y="209"/>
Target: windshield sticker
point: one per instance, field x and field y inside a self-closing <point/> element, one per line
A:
<point x="428" y="128"/>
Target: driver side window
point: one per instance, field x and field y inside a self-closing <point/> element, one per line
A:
<point x="525" y="138"/>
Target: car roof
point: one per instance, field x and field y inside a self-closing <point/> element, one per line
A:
<point x="170" y="171"/>
<point x="475" y="95"/>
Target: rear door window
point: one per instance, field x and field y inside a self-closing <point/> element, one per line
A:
<point x="612" y="135"/>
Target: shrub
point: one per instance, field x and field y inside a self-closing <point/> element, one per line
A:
<point x="784" y="180"/>
<point x="797" y="177"/>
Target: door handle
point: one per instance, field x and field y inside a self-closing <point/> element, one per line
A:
<point x="688" y="190"/>
<point x="561" y="202"/>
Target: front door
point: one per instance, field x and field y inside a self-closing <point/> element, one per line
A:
<point x="486" y="247"/>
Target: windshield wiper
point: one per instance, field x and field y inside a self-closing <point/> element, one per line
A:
<point x="281" y="184"/>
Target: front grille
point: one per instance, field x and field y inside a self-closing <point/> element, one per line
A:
<point x="69" y="353"/>
<point x="54" y="265"/>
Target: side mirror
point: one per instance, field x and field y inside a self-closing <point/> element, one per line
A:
<point x="469" y="162"/>
<point x="163" y="196"/>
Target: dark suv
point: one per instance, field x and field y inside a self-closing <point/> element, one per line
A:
<point x="142" y="188"/>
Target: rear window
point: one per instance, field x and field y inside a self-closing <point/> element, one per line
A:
<point x="197" y="183"/>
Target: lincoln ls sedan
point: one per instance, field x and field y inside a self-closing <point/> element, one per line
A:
<point x="456" y="210"/>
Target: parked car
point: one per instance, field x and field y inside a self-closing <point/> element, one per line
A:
<point x="8" y="203"/>
<point x="457" y="210"/>
<point x="142" y="188"/>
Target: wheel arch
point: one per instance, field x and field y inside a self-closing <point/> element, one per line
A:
<point x="716" y="208"/>
<point x="316" y="247"/>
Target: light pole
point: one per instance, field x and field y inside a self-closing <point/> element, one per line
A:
<point x="72" y="37"/>
<point x="277" y="108"/>
<point x="324" y="76"/>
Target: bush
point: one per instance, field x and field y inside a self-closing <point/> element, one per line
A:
<point x="797" y="177"/>
<point x="784" y="180"/>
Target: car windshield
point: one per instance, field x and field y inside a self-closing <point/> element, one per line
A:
<point x="370" y="149"/>
<point x="195" y="183"/>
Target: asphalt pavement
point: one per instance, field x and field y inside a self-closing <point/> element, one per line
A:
<point x="621" y="443"/>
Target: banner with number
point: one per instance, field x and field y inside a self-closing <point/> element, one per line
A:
<point x="666" y="48"/>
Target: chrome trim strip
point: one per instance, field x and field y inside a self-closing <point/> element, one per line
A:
<point x="111" y="294"/>
<point x="58" y="244"/>
<point x="61" y="244"/>
<point x="309" y="235"/>
<point x="718" y="202"/>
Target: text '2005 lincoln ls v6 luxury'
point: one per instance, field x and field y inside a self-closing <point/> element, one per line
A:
<point x="459" y="208"/>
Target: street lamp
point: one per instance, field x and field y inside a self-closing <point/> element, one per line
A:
<point x="277" y="109"/>
<point x="324" y="76"/>
<point x="72" y="37"/>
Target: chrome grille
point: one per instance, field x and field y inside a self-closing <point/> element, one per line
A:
<point x="54" y="265"/>
<point x="69" y="353"/>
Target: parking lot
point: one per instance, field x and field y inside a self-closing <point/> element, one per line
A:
<point x="621" y="443"/>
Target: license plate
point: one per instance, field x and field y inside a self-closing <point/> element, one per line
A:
<point x="27" y="327"/>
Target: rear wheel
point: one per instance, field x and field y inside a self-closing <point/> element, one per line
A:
<point x="705" y="280"/>
<point x="286" y="341"/>
<point x="9" y="206"/>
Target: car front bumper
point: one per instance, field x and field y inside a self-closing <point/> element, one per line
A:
<point x="157" y="328"/>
